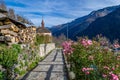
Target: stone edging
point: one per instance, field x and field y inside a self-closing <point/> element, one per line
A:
<point x="70" y="74"/>
<point x="66" y="66"/>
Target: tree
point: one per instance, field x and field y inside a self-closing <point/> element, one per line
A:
<point x="11" y="13"/>
<point x="59" y="40"/>
<point x="2" y="5"/>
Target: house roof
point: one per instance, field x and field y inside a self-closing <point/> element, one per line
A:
<point x="4" y="17"/>
<point x="42" y="30"/>
<point x="28" y="25"/>
<point x="18" y="23"/>
<point x="21" y="25"/>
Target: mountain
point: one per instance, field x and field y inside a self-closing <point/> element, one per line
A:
<point x="108" y="26"/>
<point x="80" y="24"/>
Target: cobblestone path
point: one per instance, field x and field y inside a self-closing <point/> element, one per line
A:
<point x="51" y="68"/>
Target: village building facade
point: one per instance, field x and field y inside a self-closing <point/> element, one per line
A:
<point x="42" y="31"/>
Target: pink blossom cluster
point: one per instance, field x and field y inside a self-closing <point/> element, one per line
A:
<point x="110" y="75"/>
<point x="106" y="67"/>
<point x="113" y="76"/>
<point x="116" y="45"/>
<point x="86" y="42"/>
<point x="104" y="75"/>
<point x="87" y="70"/>
<point x="67" y="47"/>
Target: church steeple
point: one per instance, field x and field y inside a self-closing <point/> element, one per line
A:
<point x="42" y="23"/>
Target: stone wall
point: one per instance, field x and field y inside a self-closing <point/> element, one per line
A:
<point x="46" y="48"/>
<point x="29" y="58"/>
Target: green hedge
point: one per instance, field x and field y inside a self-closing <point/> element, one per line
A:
<point x="42" y="39"/>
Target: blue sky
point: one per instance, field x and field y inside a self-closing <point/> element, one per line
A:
<point x="56" y="12"/>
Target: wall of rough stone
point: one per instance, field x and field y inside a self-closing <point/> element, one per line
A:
<point x="46" y="48"/>
<point x="29" y="57"/>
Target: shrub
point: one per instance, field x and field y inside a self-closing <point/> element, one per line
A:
<point x="8" y="57"/>
<point x="1" y="75"/>
<point x="91" y="61"/>
<point x="41" y="39"/>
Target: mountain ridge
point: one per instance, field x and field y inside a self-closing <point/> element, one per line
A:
<point x="80" y="24"/>
<point x="108" y="26"/>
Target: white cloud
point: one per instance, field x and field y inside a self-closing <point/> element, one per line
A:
<point x="50" y="20"/>
<point x="58" y="11"/>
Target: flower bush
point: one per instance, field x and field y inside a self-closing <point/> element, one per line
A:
<point x="89" y="60"/>
<point x="67" y="47"/>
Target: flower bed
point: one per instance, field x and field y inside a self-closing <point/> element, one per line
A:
<point x="89" y="60"/>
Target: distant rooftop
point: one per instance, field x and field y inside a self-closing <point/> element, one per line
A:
<point x="42" y="30"/>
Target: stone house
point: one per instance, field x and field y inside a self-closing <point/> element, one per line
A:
<point x="42" y="31"/>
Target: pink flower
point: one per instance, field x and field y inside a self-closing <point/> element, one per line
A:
<point x="89" y="42"/>
<point x="87" y="72"/>
<point x="67" y="47"/>
<point x="113" y="77"/>
<point x="106" y="67"/>
<point x="116" y="45"/>
<point x="113" y="69"/>
<point x="110" y="72"/>
<point x="104" y="75"/>
<point x="86" y="42"/>
<point x="89" y="69"/>
<point x="83" y="69"/>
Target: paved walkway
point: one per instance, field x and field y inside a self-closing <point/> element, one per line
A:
<point x="51" y="68"/>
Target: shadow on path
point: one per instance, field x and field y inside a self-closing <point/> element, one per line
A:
<point x="53" y="66"/>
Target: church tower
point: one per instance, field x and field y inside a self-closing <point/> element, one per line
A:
<point x="42" y="24"/>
